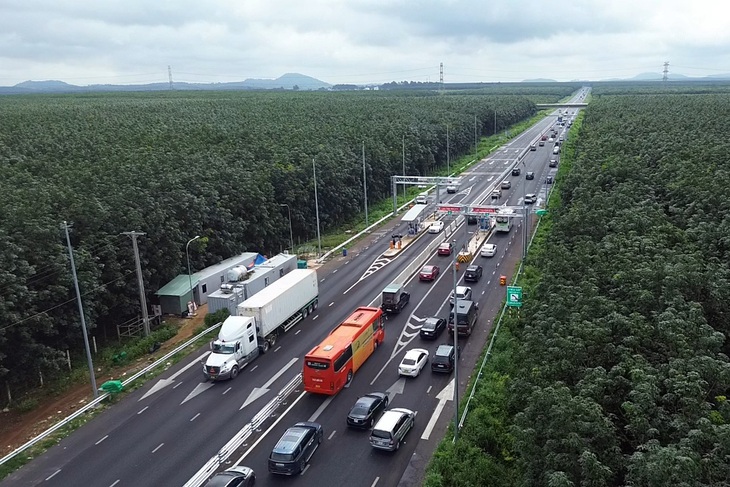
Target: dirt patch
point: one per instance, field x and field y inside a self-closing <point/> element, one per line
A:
<point x="16" y="428"/>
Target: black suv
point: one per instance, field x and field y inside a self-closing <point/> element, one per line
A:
<point x="516" y="171"/>
<point x="473" y="273"/>
<point x="530" y="175"/>
<point x="395" y="298"/>
<point x="443" y="359"/>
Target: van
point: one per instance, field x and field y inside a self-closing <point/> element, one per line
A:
<point x="391" y="428"/>
<point x="556" y="149"/>
<point x="295" y="448"/>
<point x="496" y="194"/>
<point x="422" y="199"/>
<point x="466" y="317"/>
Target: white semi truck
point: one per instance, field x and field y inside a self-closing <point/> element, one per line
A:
<point x="261" y="319"/>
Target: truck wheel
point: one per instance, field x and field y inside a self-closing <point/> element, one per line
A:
<point x="349" y="377"/>
<point x="304" y="312"/>
<point x="375" y="345"/>
<point x="272" y="339"/>
<point x="234" y="372"/>
<point x="315" y="304"/>
<point x="265" y="346"/>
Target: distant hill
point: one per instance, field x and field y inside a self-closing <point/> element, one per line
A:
<point x="289" y="81"/>
<point x="539" y="80"/>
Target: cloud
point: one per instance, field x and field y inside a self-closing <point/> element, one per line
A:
<point x="355" y="41"/>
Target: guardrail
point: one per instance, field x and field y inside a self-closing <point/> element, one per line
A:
<point x="243" y="434"/>
<point x="99" y="399"/>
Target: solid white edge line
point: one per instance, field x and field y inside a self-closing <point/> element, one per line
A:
<point x="269" y="430"/>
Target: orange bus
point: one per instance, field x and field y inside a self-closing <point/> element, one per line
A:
<point x="330" y="366"/>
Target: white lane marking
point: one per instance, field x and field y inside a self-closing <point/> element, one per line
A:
<point x="177" y="385"/>
<point x="142" y="410"/>
<point x="254" y="368"/>
<point x="115" y="483"/>
<point x="294" y="403"/>
<point x="226" y="391"/>
<point x="446" y="394"/>
<point x="107" y="436"/>
<point x="194" y="417"/>
<point x="277" y="349"/>
<point x="158" y="447"/>
<point x="332" y="434"/>
<point x="305" y="469"/>
<point x="330" y="305"/>
<point x="375" y="482"/>
<point x="298" y="331"/>
<point x="321" y="409"/>
<point x="334" y="271"/>
<point x="428" y="391"/>
<point x="315" y="317"/>
<point x="53" y="474"/>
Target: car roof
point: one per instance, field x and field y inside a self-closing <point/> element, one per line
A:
<point x="462" y="289"/>
<point x="415" y="352"/>
<point x="444" y="244"/>
<point x="390" y="417"/>
<point x="489" y="246"/>
<point x="291" y="437"/>
<point x="427" y="268"/>
<point x="392" y="288"/>
<point x="472" y="268"/>
<point x="432" y="319"/>
<point x="444" y="350"/>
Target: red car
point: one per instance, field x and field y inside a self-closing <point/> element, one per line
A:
<point x="445" y="248"/>
<point x="428" y="273"/>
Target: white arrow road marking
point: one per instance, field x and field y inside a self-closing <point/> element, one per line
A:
<point x="397" y="388"/>
<point x="199" y="389"/>
<point x="162" y="383"/>
<point x="260" y="391"/>
<point x="447" y="394"/>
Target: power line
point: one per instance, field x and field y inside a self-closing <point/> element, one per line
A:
<point x="100" y="286"/>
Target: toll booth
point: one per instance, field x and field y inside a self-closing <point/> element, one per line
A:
<point x="414" y="217"/>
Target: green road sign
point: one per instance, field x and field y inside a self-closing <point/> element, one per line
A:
<point x="514" y="296"/>
<point x="541" y="212"/>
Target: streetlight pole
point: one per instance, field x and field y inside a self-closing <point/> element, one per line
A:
<point x="291" y="232"/>
<point x="448" y="163"/>
<point x="365" y="186"/>
<point x="404" y="164"/>
<point x="475" y="138"/>
<point x="190" y="276"/>
<point x="316" y="209"/>
<point x="456" y="350"/>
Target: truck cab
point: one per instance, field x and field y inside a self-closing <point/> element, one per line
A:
<point x="395" y="298"/>
<point x="235" y="346"/>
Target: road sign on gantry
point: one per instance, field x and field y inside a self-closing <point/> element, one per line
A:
<point x="514" y="296"/>
<point x="449" y="209"/>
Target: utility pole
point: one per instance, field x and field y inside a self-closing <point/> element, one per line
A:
<point x="441" y="76"/>
<point x="455" y="317"/>
<point x="365" y="186"/>
<point x="495" y="121"/>
<point x="169" y="76"/>
<point x="65" y="226"/>
<point x="666" y="71"/>
<point x="140" y="281"/>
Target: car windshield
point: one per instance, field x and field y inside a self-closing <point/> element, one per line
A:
<point x="360" y="410"/>
<point x="427" y="270"/>
<point x="443" y="351"/>
<point x="408" y="361"/>
<point x="430" y="325"/>
<point x="390" y="298"/>
<point x="281" y="457"/>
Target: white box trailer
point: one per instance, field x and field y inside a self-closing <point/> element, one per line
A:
<point x="282" y="305"/>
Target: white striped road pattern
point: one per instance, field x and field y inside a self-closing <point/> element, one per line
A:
<point x="377" y="264"/>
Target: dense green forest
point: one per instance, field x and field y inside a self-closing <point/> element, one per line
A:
<point x="616" y="370"/>
<point x="180" y="164"/>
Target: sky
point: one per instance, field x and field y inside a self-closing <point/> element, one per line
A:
<point x="86" y="42"/>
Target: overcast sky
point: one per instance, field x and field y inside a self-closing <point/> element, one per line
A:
<point x="358" y="41"/>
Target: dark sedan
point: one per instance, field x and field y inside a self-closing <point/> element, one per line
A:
<point x="432" y="327"/>
<point x="367" y="409"/>
<point x="473" y="273"/>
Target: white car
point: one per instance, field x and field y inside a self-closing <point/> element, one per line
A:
<point x="463" y="293"/>
<point x="488" y="250"/>
<point x="413" y="362"/>
<point x="530" y="198"/>
<point x="451" y="189"/>
<point x="436" y="227"/>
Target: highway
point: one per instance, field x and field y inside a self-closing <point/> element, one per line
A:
<point x="162" y="433"/>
